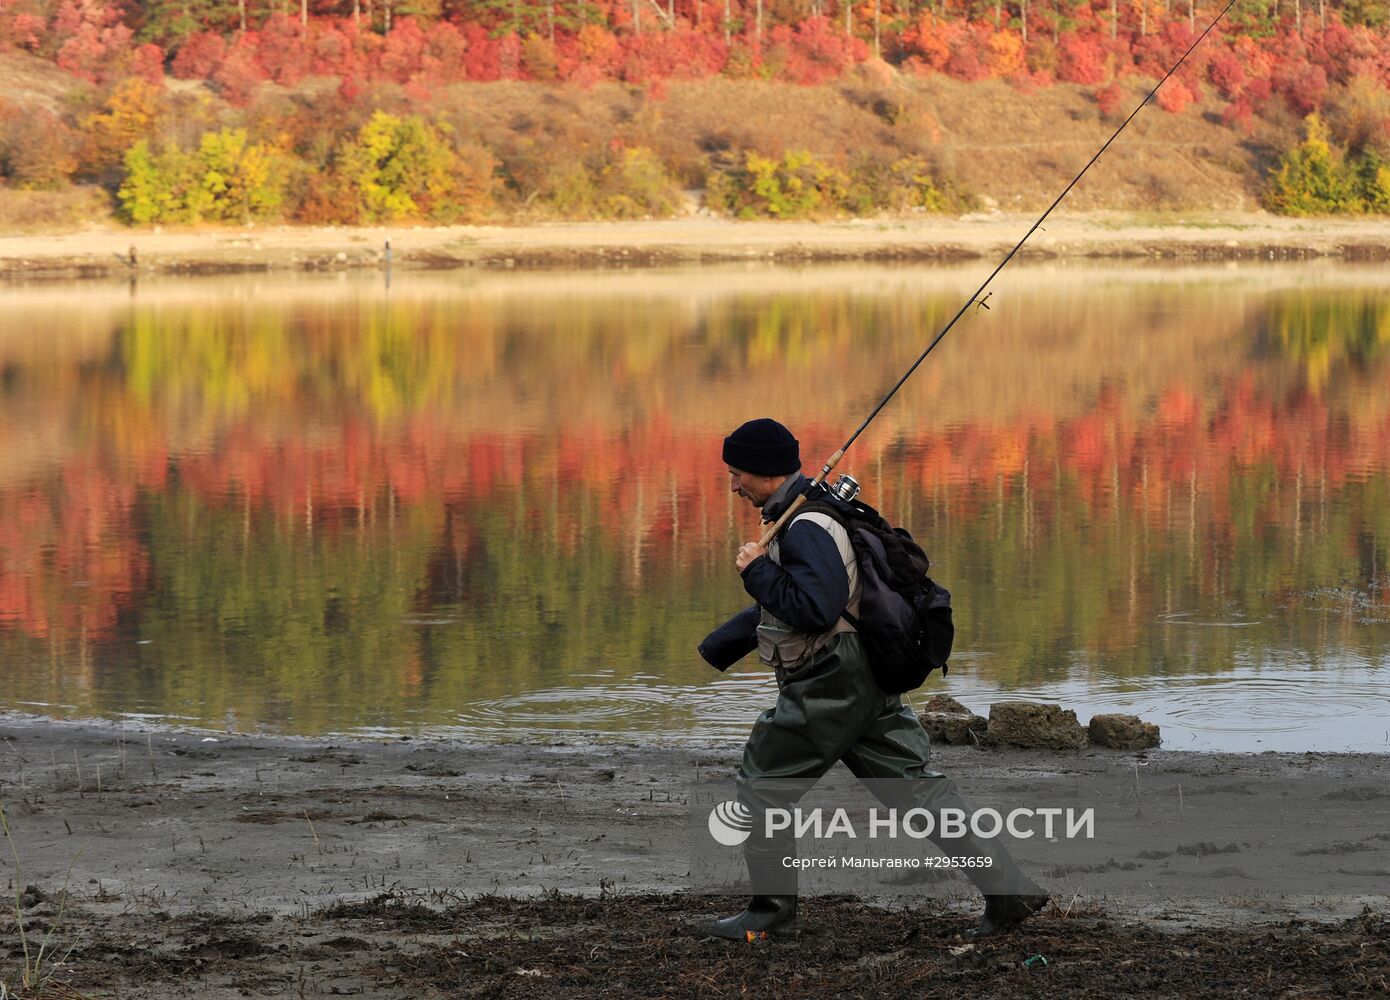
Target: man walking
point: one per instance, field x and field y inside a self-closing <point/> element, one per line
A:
<point x="829" y="705"/>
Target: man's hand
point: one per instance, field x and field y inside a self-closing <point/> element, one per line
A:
<point x="747" y="553"/>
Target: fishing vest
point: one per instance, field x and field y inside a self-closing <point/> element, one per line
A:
<point x="783" y="647"/>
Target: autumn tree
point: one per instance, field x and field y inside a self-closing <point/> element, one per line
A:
<point x="400" y="168"/>
<point x="241" y="180"/>
<point x="170" y="22"/>
<point x="128" y="114"/>
<point x="37" y="151"/>
<point x="1312" y="178"/>
<point x="157" y="186"/>
<point x="227" y="179"/>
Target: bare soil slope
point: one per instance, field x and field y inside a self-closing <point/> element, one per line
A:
<point x="1014" y="148"/>
<point x="28" y="81"/>
<point x="1008" y="147"/>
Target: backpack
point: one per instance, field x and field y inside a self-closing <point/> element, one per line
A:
<point x="904" y="616"/>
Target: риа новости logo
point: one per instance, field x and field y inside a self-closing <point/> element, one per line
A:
<point x="730" y="823"/>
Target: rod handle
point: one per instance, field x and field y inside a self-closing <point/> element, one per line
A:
<point x="796" y="504"/>
<point x="776" y="526"/>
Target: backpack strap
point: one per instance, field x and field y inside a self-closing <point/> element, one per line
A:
<point x="839" y="517"/>
<point x="826" y="508"/>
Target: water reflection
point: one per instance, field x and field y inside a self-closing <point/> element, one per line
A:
<point x="493" y="504"/>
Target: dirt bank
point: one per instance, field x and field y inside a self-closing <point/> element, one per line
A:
<point x="106" y="252"/>
<point x="220" y="863"/>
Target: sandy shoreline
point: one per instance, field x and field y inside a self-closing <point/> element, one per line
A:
<point x="275" y="842"/>
<point x="105" y="252"/>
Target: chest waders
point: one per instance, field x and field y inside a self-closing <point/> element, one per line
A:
<point x="830" y="708"/>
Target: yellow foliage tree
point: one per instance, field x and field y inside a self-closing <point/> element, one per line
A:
<point x="401" y="168"/>
<point x="128" y="115"/>
<point x="238" y="177"/>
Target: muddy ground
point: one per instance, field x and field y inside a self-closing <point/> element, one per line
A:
<point x="106" y="252"/>
<point x="225" y="865"/>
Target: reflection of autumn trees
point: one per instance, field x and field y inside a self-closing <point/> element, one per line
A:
<point x="405" y="506"/>
<point x="1321" y="330"/>
<point x="68" y="561"/>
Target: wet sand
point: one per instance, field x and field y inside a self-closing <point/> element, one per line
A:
<point x="224" y="864"/>
<point x="1192" y="236"/>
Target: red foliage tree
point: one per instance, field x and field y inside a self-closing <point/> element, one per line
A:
<point x="1304" y="87"/>
<point x="591" y="55"/>
<point x="1153" y="55"/>
<point x="82" y="54"/>
<point x="403" y="51"/>
<point x="350" y="87"/>
<point x="1110" y="98"/>
<point x="1239" y="114"/>
<point x="147" y="62"/>
<point x="445" y="53"/>
<point x="240" y="73"/>
<point x="508" y="57"/>
<point x="817" y="51"/>
<point x="199" y="56"/>
<point x="1226" y="72"/>
<point x="927" y="44"/>
<point x="282" y="53"/>
<point x="1081" y="59"/>
<point x="680" y="54"/>
<point x="482" y="58"/>
<point x="1342" y="52"/>
<point x="1174" y="96"/>
<point x="25" y="31"/>
<point x="969" y="59"/>
<point x="333" y="48"/>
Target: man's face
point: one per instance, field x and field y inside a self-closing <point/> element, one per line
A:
<point x="757" y="490"/>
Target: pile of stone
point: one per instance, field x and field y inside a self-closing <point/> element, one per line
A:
<point x="1033" y="726"/>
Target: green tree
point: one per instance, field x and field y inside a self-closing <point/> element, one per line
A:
<point x="227" y="179"/>
<point x="1379" y="195"/>
<point x="400" y="168"/>
<point x="157" y="185"/>
<point x="634" y="184"/>
<point x="168" y="22"/>
<point x="1312" y="178"/>
<point x="240" y="180"/>
<point x="515" y="17"/>
<point x="1371" y="13"/>
<point x="796" y="186"/>
<point x="1375" y="184"/>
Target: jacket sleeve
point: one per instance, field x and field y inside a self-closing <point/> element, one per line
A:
<point x="810" y="589"/>
<point x="733" y="640"/>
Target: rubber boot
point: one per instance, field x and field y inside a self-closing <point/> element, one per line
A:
<point x="765" y="916"/>
<point x="1010" y="896"/>
<point x="1004" y="913"/>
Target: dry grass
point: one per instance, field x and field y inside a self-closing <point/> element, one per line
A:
<point x="991" y="139"/>
<point x="52" y="211"/>
<point x="1018" y="149"/>
<point x="28" y="81"/>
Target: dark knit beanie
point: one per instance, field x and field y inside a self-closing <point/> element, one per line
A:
<point x="763" y="447"/>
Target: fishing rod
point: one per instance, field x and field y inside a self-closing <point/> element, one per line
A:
<point x="834" y="459"/>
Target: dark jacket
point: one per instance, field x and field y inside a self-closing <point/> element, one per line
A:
<point x="809" y="589"/>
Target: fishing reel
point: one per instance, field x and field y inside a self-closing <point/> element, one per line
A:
<point x="845" y="488"/>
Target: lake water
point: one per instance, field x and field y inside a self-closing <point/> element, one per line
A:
<point x="492" y="504"/>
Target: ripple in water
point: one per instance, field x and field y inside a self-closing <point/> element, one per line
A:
<point x="1256" y="708"/>
<point x="1185" y="618"/>
<point x="721" y="710"/>
<point x="1332" y="709"/>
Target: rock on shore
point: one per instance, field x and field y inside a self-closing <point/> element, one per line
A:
<point x="1123" y="732"/>
<point x="1036" y="727"/>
